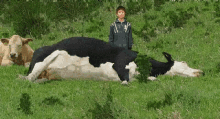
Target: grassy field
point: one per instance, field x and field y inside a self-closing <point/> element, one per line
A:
<point x="195" y="41"/>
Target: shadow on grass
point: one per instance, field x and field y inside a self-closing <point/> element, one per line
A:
<point x="189" y="99"/>
<point x="211" y="71"/>
<point x="5" y="35"/>
<point x="45" y="81"/>
<point x="105" y="111"/>
<point x="158" y="104"/>
<point x="218" y="67"/>
<point x="25" y="104"/>
<point x="52" y="101"/>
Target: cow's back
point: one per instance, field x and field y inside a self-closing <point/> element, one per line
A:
<point x="83" y="46"/>
<point x="27" y="53"/>
<point x="97" y="50"/>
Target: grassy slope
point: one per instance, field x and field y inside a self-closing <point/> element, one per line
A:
<point x="171" y="97"/>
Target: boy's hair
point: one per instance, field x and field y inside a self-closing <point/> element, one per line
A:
<point x="120" y="8"/>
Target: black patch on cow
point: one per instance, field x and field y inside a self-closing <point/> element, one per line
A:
<point x="160" y="68"/>
<point x="97" y="50"/>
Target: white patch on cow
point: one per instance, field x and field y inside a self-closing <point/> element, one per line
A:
<point x="124" y="82"/>
<point x="151" y="78"/>
<point x="66" y="66"/>
<point x="62" y="65"/>
<point x="182" y="69"/>
<point x="41" y="66"/>
<point x="132" y="69"/>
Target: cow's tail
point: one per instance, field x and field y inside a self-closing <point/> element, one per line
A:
<point x="168" y="57"/>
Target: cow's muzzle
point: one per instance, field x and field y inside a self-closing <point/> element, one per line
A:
<point x="13" y="55"/>
<point x="198" y="73"/>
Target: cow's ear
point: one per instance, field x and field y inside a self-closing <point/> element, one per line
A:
<point x="5" y="41"/>
<point x="26" y="40"/>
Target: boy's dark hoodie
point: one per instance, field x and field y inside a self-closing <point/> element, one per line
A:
<point x="121" y="34"/>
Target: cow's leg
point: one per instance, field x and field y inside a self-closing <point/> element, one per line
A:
<point x="6" y="62"/>
<point x="123" y="59"/>
<point x="41" y="66"/>
<point x="122" y="72"/>
<point x="35" y="81"/>
<point x="27" y="64"/>
<point x="41" y="80"/>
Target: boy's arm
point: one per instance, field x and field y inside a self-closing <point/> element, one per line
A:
<point x="111" y="36"/>
<point x="130" y="40"/>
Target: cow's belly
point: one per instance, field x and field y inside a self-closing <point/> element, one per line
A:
<point x="86" y="71"/>
<point x="65" y="66"/>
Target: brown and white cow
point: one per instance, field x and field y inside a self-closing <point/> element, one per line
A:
<point x="15" y="51"/>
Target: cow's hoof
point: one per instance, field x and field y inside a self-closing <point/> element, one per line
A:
<point x="41" y="80"/>
<point x="152" y="78"/>
<point x="124" y="83"/>
<point x="27" y="64"/>
<point x="22" y="77"/>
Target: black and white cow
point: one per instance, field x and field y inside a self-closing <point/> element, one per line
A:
<point x="90" y="51"/>
<point x="82" y="57"/>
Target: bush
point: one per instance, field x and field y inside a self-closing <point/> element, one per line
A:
<point x="217" y="8"/>
<point x="144" y="67"/>
<point x="133" y="7"/>
<point x="167" y="17"/>
<point x="25" y="17"/>
<point x="70" y="10"/>
<point x="33" y="17"/>
<point x="34" y="26"/>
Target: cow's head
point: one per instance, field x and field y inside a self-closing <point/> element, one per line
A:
<point x="15" y="44"/>
<point x="182" y="69"/>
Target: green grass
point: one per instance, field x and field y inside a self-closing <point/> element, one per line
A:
<point x="170" y="97"/>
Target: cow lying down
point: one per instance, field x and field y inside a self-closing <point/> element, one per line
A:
<point x="80" y="57"/>
<point x="15" y="51"/>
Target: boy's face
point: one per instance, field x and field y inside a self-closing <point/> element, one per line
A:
<point x="121" y="14"/>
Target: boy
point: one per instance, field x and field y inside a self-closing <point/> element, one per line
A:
<point x="120" y="30"/>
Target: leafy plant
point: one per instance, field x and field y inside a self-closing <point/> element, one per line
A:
<point x="144" y="67"/>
